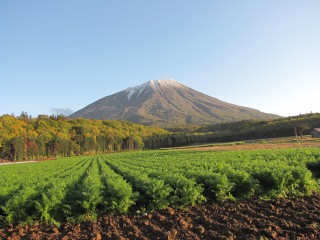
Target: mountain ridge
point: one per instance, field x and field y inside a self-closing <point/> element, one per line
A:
<point x="167" y="102"/>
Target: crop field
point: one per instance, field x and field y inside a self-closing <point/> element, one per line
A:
<point x="84" y="188"/>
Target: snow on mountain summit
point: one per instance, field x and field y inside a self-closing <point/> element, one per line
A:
<point x="137" y="89"/>
<point x="155" y="84"/>
<point x="165" y="83"/>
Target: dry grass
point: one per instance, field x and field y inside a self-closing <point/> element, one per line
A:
<point x="270" y="143"/>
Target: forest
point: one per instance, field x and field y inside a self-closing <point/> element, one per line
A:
<point x="236" y="131"/>
<point x="23" y="137"/>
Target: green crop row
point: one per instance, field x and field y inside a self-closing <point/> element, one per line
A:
<point x="74" y="189"/>
<point x="237" y="174"/>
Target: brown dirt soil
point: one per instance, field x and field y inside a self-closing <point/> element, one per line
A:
<point x="3" y="161"/>
<point x="266" y="145"/>
<point x="296" y="218"/>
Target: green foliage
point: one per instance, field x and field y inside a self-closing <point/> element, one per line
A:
<point x="91" y="192"/>
<point x="220" y="186"/>
<point x="257" y="129"/>
<point x="24" y="138"/>
<point x="186" y="192"/>
<point x="35" y="192"/>
<point x="84" y="188"/>
<point x="243" y="184"/>
<point x="154" y="193"/>
<point x="235" y="131"/>
<point x="118" y="194"/>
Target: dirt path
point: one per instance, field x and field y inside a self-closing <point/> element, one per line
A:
<point x="6" y="162"/>
<point x="9" y="163"/>
<point x="297" y="218"/>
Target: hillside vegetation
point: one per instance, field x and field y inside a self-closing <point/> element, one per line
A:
<point x="24" y="138"/>
<point x="237" y="131"/>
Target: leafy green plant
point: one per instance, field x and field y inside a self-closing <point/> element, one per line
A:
<point x="83" y="188"/>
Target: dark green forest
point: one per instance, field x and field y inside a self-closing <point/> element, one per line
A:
<point x="237" y="131"/>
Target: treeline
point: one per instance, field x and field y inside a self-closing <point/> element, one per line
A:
<point x="237" y="131"/>
<point x="23" y="138"/>
<point x="256" y="129"/>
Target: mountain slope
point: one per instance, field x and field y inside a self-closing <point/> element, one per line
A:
<point x="167" y="102"/>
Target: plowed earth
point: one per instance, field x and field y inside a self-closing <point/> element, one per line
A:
<point x="296" y="218"/>
<point x="267" y="145"/>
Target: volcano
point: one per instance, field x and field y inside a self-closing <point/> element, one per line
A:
<point x="167" y="103"/>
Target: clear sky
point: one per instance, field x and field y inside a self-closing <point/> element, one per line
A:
<point x="57" y="56"/>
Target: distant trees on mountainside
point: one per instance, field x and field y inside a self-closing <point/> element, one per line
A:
<point x="237" y="131"/>
<point x="255" y="129"/>
<point x="24" y="138"/>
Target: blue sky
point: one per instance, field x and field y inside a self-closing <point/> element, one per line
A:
<point x="58" y="55"/>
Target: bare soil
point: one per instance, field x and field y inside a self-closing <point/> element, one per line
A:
<point x="7" y="162"/>
<point x="263" y="144"/>
<point x="296" y="218"/>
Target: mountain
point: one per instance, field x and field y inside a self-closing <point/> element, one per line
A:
<point x="167" y="102"/>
